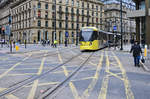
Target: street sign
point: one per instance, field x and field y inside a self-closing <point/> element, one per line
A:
<point x="115" y="28"/>
<point x="66" y="34"/>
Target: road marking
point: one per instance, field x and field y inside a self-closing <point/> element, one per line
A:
<point x="72" y="87"/>
<point x="35" y="84"/>
<point x="115" y="75"/>
<point x="9" y="96"/>
<point x="5" y="73"/>
<point x="103" y="91"/>
<point x="44" y="84"/>
<point x="91" y="86"/>
<point x="21" y="74"/>
<point x="83" y="59"/>
<point x="86" y="78"/>
<point x="129" y="93"/>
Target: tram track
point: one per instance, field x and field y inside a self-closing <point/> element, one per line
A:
<point x="20" y="84"/>
<point x="50" y="91"/>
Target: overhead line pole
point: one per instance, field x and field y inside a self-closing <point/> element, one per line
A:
<point x="121" y="25"/>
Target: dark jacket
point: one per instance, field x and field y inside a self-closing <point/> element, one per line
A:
<point x="136" y="49"/>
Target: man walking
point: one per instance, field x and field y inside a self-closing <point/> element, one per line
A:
<point x="136" y="49"/>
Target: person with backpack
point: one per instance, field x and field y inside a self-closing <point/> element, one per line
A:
<point x="136" y="49"/>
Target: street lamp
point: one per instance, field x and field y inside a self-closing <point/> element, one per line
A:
<point x="25" y="41"/>
<point x="121" y="25"/>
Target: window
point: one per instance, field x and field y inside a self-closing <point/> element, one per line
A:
<point x="60" y="1"/>
<point x="53" y="7"/>
<point x="92" y="6"/>
<point x="60" y="25"/>
<point x="46" y="23"/>
<point x="72" y="2"/>
<point x="53" y="15"/>
<point x="72" y="26"/>
<point x="46" y="6"/>
<point x="72" y="10"/>
<point x="39" y="14"/>
<point x="66" y="9"/>
<point x="53" y="24"/>
<point x="82" y="19"/>
<point x="39" y="5"/>
<point x="46" y="14"/>
<point x="83" y="5"/>
<point x="77" y="3"/>
<point x="39" y="35"/>
<point x="67" y="1"/>
<point x="39" y="22"/>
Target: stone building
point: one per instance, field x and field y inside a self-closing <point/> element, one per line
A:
<point x="142" y="18"/>
<point x="4" y="18"/>
<point x="112" y="20"/>
<point x="42" y="20"/>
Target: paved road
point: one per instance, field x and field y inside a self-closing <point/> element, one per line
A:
<point x="107" y="74"/>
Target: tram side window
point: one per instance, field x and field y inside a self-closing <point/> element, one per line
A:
<point x="94" y="36"/>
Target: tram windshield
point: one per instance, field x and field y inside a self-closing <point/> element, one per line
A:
<point x="88" y="35"/>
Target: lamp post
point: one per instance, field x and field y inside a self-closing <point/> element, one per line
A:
<point x="10" y="34"/>
<point x="25" y="41"/>
<point x="121" y="25"/>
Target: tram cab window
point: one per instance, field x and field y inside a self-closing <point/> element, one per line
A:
<point x="88" y="35"/>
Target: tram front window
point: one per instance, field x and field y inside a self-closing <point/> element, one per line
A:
<point x="88" y="36"/>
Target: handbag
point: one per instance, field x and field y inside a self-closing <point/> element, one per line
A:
<point x="142" y="59"/>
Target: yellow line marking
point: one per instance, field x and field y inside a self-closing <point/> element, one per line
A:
<point x="73" y="88"/>
<point x="129" y="93"/>
<point x="35" y="84"/>
<point x="2" y="89"/>
<point x="115" y="75"/>
<point x="21" y="69"/>
<point x="44" y="84"/>
<point x="5" y="73"/>
<point x="91" y="86"/>
<point x="21" y="74"/>
<point x="9" y="96"/>
<point x="103" y="91"/>
<point x="83" y="79"/>
<point x="83" y="59"/>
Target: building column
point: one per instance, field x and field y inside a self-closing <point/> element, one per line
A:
<point x="147" y="35"/>
<point x="137" y="24"/>
<point x="138" y="29"/>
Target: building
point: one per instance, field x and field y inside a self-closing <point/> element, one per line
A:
<point x="112" y="20"/>
<point x="142" y="18"/>
<point x="4" y="18"/>
<point x="42" y="20"/>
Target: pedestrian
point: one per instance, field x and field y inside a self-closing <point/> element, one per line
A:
<point x="55" y="43"/>
<point x="14" y="43"/>
<point x="136" y="49"/>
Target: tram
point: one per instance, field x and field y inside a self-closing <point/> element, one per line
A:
<point x="92" y="38"/>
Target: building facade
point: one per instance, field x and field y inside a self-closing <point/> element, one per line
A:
<point x="113" y="24"/>
<point x="37" y="20"/>
<point x="142" y="17"/>
<point x="4" y="19"/>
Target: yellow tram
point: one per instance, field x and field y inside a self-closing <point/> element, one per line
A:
<point x="92" y="38"/>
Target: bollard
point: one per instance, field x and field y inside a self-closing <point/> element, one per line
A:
<point x="145" y="51"/>
<point x="17" y="46"/>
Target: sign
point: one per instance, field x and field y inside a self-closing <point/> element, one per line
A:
<point x="66" y="34"/>
<point x="115" y="28"/>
